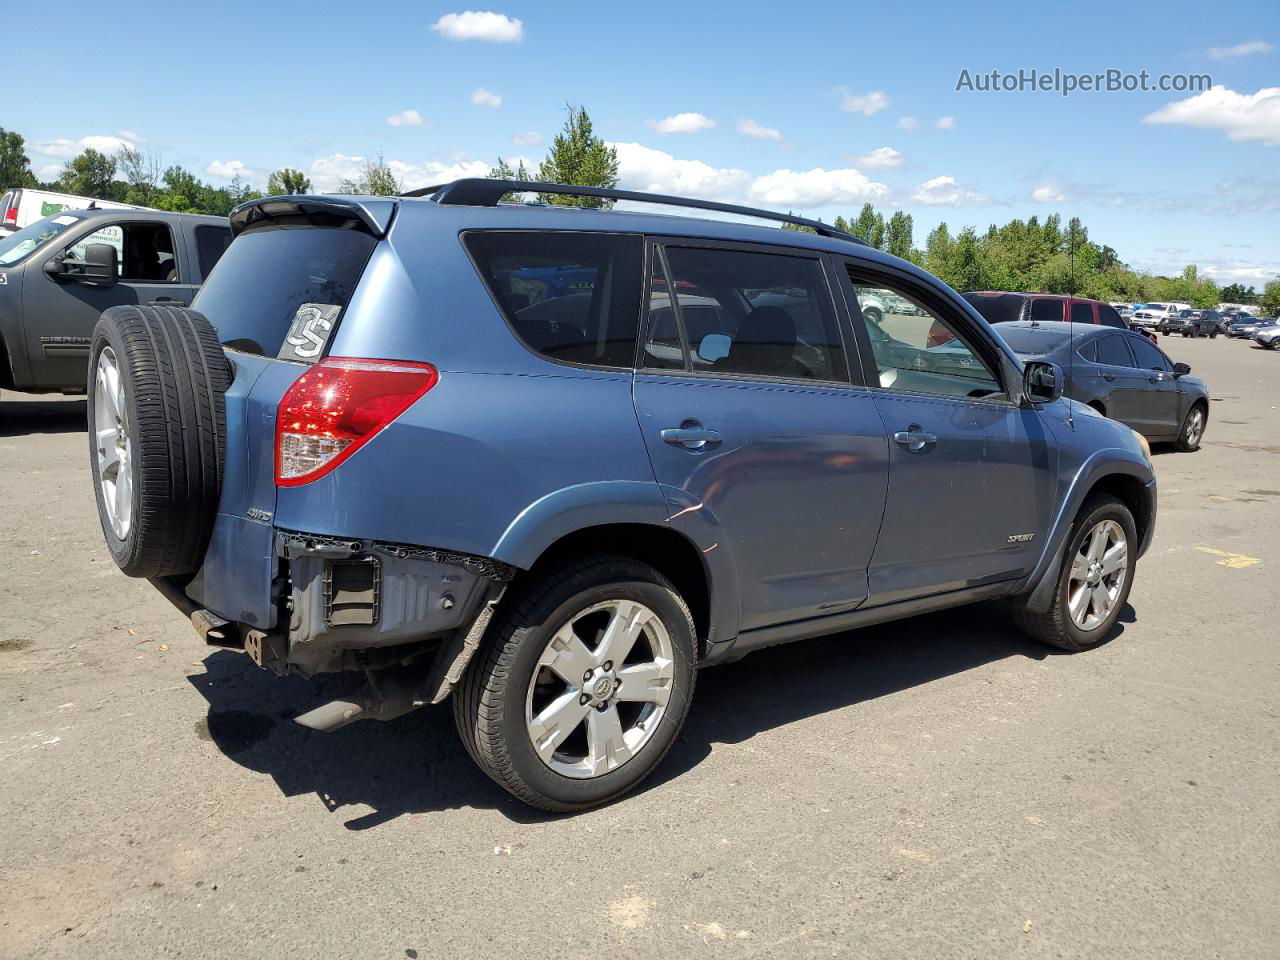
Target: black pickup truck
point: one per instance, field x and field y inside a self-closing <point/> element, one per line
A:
<point x="58" y="275"/>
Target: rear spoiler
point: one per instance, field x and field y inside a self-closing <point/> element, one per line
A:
<point x="372" y="214"/>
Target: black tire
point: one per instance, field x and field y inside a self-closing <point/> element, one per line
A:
<point x="174" y="376"/>
<point x="874" y="315"/>
<point x="1189" y="437"/>
<point x="1213" y="334"/>
<point x="490" y="702"/>
<point x="1055" y="626"/>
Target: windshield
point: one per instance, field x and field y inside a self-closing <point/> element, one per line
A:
<point x="1029" y="340"/>
<point x="279" y="289"/>
<point x="17" y="246"/>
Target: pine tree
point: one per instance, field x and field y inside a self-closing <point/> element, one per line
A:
<point x="578" y="157"/>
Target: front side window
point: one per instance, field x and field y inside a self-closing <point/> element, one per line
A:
<point x="1147" y="356"/>
<point x="144" y="251"/>
<point x="1113" y="352"/>
<point x="746" y="313"/>
<point x="572" y="297"/>
<point x="917" y="351"/>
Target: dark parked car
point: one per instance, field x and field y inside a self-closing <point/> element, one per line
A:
<point x="58" y="275"/>
<point x="1247" y="326"/>
<point x="1192" y="323"/>
<point x="549" y="460"/>
<point x="1122" y="376"/>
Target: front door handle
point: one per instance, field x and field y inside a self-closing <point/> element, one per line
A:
<point x="915" y="439"/>
<point x="1108" y="377"/>
<point x="691" y="435"/>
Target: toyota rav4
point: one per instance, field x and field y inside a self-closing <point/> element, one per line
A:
<point x="549" y="461"/>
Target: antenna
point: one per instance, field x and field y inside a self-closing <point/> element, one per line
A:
<point x="1071" y="324"/>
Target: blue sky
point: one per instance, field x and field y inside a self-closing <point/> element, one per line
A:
<point x="797" y="106"/>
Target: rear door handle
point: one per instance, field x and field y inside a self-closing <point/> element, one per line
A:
<point x="1108" y="376"/>
<point x="915" y="439"/>
<point x="691" y="435"/>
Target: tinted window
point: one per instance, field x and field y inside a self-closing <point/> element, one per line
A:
<point x="997" y="307"/>
<point x="1089" y="351"/>
<point x="211" y="244"/>
<point x="1081" y="312"/>
<point x="1030" y="340"/>
<point x="759" y="314"/>
<point x="919" y="352"/>
<point x="573" y="297"/>
<point x="1112" y="351"/>
<point x="144" y="251"/>
<point x="277" y="281"/>
<point x="1148" y="357"/>
<point x="1046" y="311"/>
<point x="1108" y="316"/>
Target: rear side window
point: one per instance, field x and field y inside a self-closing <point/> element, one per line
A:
<point x="758" y="314"/>
<point x="1113" y="352"/>
<point x="280" y="289"/>
<point x="1047" y="311"/>
<point x="572" y="297"/>
<point x="1108" y="317"/>
<point x="211" y="244"/>
<point x="1081" y="312"/>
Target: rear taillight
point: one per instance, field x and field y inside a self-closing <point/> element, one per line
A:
<point x="10" y="214"/>
<point x="337" y="406"/>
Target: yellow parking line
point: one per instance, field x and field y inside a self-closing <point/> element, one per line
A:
<point x="1236" y="561"/>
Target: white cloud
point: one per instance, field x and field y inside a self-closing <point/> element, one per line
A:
<point x="486" y="98"/>
<point x="881" y="158"/>
<point x="65" y="149"/>
<point x="864" y="103"/>
<point x="945" y="123"/>
<point x="530" y="138"/>
<point x="406" y="118"/>
<point x="805" y="189"/>
<point x="656" y="171"/>
<point x="1242" y="116"/>
<point x="683" y="123"/>
<point x="49" y="172"/>
<point x="749" y="128"/>
<point x="1048" y="193"/>
<point x="480" y="25"/>
<point x="327" y="173"/>
<point x="945" y="192"/>
<point x="1243" y="271"/>
<point x="907" y="123"/>
<point x="1239" y="50"/>
<point x="230" y="169"/>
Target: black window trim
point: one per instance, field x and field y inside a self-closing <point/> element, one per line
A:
<point x="971" y="335"/>
<point x="98" y="225"/>
<point x="660" y="243"/>
<point x="572" y="364"/>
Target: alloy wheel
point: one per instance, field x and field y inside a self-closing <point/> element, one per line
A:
<point x="1195" y="427"/>
<point x="112" y="444"/>
<point x="1097" y="575"/>
<point x="600" y="689"/>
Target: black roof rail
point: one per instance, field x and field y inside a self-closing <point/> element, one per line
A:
<point x="484" y="192"/>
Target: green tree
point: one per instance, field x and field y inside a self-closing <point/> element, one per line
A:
<point x="964" y="267"/>
<point x="15" y="167"/>
<point x="286" y="181"/>
<point x="1269" y="299"/>
<point x="140" y="172"/>
<point x="1239" y="293"/>
<point x="181" y="191"/>
<point x="937" y="249"/>
<point x="89" y="175"/>
<point x="898" y="235"/>
<point x="578" y="157"/>
<point x="376" y="180"/>
<point x="869" y="226"/>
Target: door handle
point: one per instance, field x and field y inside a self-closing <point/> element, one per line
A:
<point x="915" y="439"/>
<point x="1108" y="377"/>
<point x="691" y="435"/>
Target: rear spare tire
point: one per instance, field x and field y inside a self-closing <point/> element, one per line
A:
<point x="157" y="435"/>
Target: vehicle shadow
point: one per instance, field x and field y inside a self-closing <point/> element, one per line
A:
<point x="21" y="417"/>
<point x="416" y="764"/>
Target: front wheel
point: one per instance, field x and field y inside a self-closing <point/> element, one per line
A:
<point x="1192" y="430"/>
<point x="583" y="684"/>
<point x="1094" y="582"/>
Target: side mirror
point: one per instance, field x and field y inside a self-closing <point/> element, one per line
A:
<point x="1042" y="381"/>
<point x="714" y="346"/>
<point x="1181" y="369"/>
<point x="99" y="267"/>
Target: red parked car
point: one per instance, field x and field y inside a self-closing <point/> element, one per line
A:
<point x="999" y="306"/>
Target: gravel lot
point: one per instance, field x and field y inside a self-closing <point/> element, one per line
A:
<point x="934" y="788"/>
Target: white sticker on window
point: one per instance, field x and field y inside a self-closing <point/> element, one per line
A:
<point x="309" y="331"/>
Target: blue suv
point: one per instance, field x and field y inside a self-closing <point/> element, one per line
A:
<point x="551" y="460"/>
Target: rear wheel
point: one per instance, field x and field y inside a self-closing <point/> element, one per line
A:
<point x="1192" y="429"/>
<point x="583" y="684"/>
<point x="1093" y="584"/>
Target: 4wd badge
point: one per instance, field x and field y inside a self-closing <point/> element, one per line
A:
<point x="310" y="330"/>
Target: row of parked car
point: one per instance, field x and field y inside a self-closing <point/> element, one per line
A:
<point x="1168" y="319"/>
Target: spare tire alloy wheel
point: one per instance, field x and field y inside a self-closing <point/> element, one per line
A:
<point x="112" y="443"/>
<point x="1098" y="575"/>
<point x="589" y="711"/>
<point x="157" y="421"/>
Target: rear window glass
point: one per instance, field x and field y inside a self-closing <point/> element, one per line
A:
<point x="572" y="297"/>
<point x="211" y="244"/>
<point x="280" y="289"/>
<point x="1108" y="317"/>
<point x="1044" y="311"/>
<point x="997" y="308"/>
<point x="1082" y="313"/>
<point x="1029" y="341"/>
